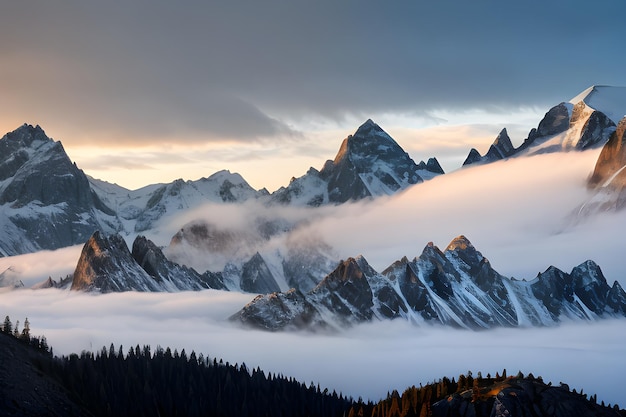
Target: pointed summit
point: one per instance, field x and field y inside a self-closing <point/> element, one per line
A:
<point x="369" y="163"/>
<point x="106" y="265"/>
<point x="367" y="127"/>
<point x="26" y="134"/>
<point x="460" y="243"/>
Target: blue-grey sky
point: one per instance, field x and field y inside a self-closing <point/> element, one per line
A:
<point x="257" y="76"/>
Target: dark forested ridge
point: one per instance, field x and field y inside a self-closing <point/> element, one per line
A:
<point x="501" y="396"/>
<point x="142" y="382"/>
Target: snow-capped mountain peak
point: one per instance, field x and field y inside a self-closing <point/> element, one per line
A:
<point x="609" y="100"/>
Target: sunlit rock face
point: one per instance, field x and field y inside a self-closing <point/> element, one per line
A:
<point x="106" y="265"/>
<point x="456" y="287"/>
<point x="608" y="179"/>
<point x="609" y="167"/>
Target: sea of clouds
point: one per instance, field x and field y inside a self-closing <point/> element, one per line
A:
<point x="521" y="214"/>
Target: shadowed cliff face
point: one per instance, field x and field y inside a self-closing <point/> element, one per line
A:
<point x="366" y="162"/>
<point x="45" y="196"/>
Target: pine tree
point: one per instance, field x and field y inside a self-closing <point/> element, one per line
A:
<point x="26" y="330"/>
<point x="7" y="327"/>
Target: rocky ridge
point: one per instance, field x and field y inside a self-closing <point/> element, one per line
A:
<point x="455" y="287"/>
<point x="585" y="122"/>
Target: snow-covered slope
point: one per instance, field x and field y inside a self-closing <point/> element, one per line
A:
<point x="586" y="121"/>
<point x="45" y="200"/>
<point x="141" y="209"/>
<point x="609" y="100"/>
<point x="455" y="287"/>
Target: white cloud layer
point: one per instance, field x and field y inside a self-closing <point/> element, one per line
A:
<point x="518" y="213"/>
<point x="366" y="361"/>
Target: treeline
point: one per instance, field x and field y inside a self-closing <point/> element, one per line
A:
<point x="38" y="342"/>
<point x="166" y="383"/>
<point x="142" y="382"/>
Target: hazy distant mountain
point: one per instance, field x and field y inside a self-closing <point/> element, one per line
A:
<point x="369" y="164"/>
<point x="45" y="200"/>
<point x="456" y="287"/>
<point x="586" y="121"/>
<point x="140" y="209"/>
<point x="261" y="256"/>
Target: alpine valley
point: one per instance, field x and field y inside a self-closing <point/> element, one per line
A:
<point x="348" y="246"/>
<point x="49" y="203"/>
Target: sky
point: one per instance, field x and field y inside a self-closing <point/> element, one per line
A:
<point x="149" y="91"/>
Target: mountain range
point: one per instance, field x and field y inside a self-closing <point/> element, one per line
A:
<point x="455" y="287"/>
<point x="47" y="202"/>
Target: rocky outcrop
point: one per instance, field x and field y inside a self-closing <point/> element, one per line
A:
<point x="429" y="169"/>
<point x="455" y="287"/>
<point x="106" y="265"/>
<point x="501" y="148"/>
<point x="519" y="396"/>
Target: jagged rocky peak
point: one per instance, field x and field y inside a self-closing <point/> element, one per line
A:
<point x="26" y="134"/>
<point x="457" y="287"/>
<point x="369" y="140"/>
<point x="501" y="148"/>
<point x="369" y="163"/>
<point x="431" y="165"/>
<point x="36" y="175"/>
<point x="106" y="265"/>
<point x="463" y="248"/>
<point x="556" y="120"/>
<point x="256" y="276"/>
<point x="102" y="261"/>
<point x="503" y="143"/>
<point x="472" y="157"/>
<point x="347" y="270"/>
<point x="460" y="243"/>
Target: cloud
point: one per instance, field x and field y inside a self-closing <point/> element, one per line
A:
<point x="368" y="360"/>
<point x="516" y="213"/>
<point x="136" y="72"/>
